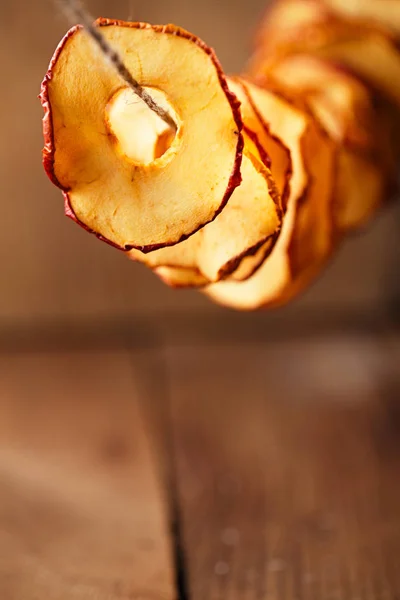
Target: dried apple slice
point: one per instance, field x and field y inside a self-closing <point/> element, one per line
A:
<point x="310" y="27"/>
<point x="313" y="237"/>
<point x="344" y="108"/>
<point x="283" y="21"/>
<point x="131" y="203"/>
<point x="252" y="261"/>
<point x="373" y="57"/>
<point x="251" y="217"/>
<point x="277" y="151"/>
<point x="306" y="238"/>
<point x="180" y="277"/>
<point x="314" y="28"/>
<point x="276" y="156"/>
<point x="385" y="13"/>
<point x="287" y="26"/>
<point x="281" y="121"/>
<point x="188" y="253"/>
<point x="187" y="262"/>
<point x="360" y="189"/>
<point x="189" y="277"/>
<point x="341" y="102"/>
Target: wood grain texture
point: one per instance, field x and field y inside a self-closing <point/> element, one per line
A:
<point x="81" y="507"/>
<point x="288" y="467"/>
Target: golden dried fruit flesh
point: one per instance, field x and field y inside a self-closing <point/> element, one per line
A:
<point x="258" y="134"/>
<point x="344" y="108"/>
<point x="129" y="202"/>
<point x="306" y="239"/>
<point x="311" y="27"/>
<point x="284" y="23"/>
<point x="180" y="277"/>
<point x="371" y="56"/>
<point x="251" y="217"/>
<point x="313" y="158"/>
<point x="283" y="121"/>
<point x="313" y="237"/>
<point x="340" y="101"/>
<point x="360" y="188"/>
<point x="273" y="145"/>
<point x="385" y="13"/>
<point x="236" y="243"/>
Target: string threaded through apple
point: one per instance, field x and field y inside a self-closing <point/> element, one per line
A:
<point x="263" y="174"/>
<point x="75" y="10"/>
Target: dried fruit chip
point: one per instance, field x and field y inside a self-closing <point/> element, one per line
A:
<point x="371" y="56"/>
<point x="342" y="103"/>
<point x="288" y="26"/>
<point x="314" y="29"/>
<point x="344" y="107"/>
<point x="109" y="191"/>
<point x="179" y="277"/>
<point x="251" y="217"/>
<point x="382" y="12"/>
<point x="284" y="20"/>
<point x="274" y="146"/>
<point x="360" y="188"/>
<point x="252" y="261"/>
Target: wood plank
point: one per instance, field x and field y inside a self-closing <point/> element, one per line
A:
<point x="288" y="464"/>
<point x="81" y="510"/>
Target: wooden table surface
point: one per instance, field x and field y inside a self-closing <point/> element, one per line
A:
<point x="206" y="471"/>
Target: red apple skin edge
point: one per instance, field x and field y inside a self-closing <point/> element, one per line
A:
<point x="48" y="134"/>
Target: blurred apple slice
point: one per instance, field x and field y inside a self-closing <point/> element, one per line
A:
<point x="312" y="27"/>
<point x="344" y="108"/>
<point x="360" y="189"/>
<point x="343" y="104"/>
<point x="374" y="57"/>
<point x="286" y="26"/>
<point x="385" y="13"/>
<point x="92" y="151"/>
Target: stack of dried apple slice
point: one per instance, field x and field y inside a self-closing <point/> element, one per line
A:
<point x="251" y="192"/>
<point x="191" y="204"/>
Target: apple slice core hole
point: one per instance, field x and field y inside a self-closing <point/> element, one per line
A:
<point x="137" y="131"/>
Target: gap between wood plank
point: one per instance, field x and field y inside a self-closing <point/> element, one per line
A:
<point x="159" y="422"/>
